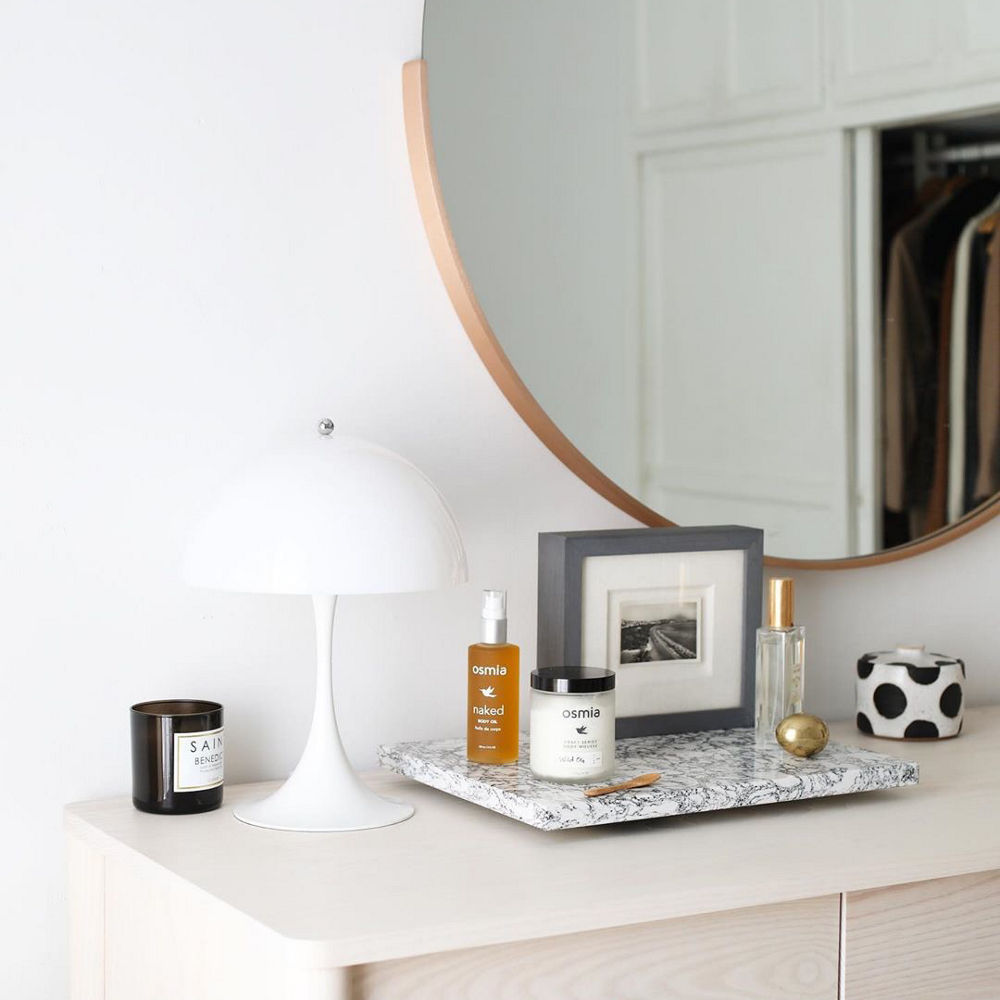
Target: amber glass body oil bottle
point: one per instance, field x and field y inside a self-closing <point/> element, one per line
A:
<point x="491" y="729"/>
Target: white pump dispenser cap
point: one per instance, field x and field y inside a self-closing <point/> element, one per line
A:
<point x="495" y="604"/>
<point x="494" y="616"/>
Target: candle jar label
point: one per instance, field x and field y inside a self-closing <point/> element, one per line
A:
<point x="198" y="760"/>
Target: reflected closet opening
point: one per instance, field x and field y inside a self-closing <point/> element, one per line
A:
<point x="939" y="321"/>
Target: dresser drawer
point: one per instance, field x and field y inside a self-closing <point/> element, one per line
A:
<point x="763" y="953"/>
<point x="934" y="940"/>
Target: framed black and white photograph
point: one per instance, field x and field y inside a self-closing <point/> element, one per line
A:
<point x="659" y="630"/>
<point x="673" y="611"/>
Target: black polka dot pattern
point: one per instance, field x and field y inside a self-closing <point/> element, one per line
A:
<point x="943" y="661"/>
<point x="890" y="702"/>
<point x="951" y="700"/>
<point x="906" y="693"/>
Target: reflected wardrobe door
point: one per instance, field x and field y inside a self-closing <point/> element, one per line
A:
<point x="745" y="338"/>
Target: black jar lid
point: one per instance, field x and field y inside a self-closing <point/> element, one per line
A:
<point x="573" y="680"/>
<point x="173" y="708"/>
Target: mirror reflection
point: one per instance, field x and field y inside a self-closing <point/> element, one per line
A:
<point x="745" y="253"/>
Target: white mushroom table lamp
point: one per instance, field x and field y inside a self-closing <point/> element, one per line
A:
<point x="338" y="515"/>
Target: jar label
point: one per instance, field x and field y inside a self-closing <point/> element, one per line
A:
<point x="198" y="760"/>
<point x="582" y="758"/>
<point x="572" y="736"/>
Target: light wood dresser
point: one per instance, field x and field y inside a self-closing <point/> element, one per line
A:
<point x="880" y="896"/>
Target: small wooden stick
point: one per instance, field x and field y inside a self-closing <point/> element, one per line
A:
<point x="640" y="782"/>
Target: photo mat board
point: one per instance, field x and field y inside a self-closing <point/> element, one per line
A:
<point x="672" y="610"/>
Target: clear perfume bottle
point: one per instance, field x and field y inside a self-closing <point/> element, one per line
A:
<point x="780" y="661"/>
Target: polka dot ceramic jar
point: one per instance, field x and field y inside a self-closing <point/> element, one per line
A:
<point x="909" y="694"/>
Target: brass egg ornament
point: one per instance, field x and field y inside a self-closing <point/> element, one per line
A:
<point x="802" y="735"/>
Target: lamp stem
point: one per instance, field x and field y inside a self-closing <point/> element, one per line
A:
<point x="324" y="793"/>
<point x="324" y="730"/>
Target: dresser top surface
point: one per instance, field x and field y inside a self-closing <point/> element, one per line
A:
<point x="457" y="875"/>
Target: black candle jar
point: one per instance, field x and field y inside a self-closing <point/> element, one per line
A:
<point x="177" y="756"/>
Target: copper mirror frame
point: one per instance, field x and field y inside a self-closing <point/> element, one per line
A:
<point x="423" y="165"/>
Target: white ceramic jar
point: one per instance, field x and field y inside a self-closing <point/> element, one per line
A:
<point x="910" y="694"/>
<point x="572" y="723"/>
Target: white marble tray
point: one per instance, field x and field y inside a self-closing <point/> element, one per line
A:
<point x="721" y="769"/>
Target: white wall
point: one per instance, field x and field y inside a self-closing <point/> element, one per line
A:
<point x="210" y="240"/>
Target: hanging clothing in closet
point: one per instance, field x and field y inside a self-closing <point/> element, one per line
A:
<point x="987" y="479"/>
<point x="973" y="319"/>
<point x="929" y="280"/>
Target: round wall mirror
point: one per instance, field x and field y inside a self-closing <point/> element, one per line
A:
<point x="736" y="263"/>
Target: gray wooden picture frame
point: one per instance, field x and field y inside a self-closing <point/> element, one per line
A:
<point x="561" y="555"/>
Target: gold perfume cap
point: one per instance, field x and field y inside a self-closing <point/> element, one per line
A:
<point x="780" y="602"/>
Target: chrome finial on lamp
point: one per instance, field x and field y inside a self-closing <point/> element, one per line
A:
<point x="338" y="515"/>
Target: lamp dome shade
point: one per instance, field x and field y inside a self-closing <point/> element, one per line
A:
<point x="338" y="515"/>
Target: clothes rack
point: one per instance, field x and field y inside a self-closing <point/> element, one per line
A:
<point x="925" y="157"/>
